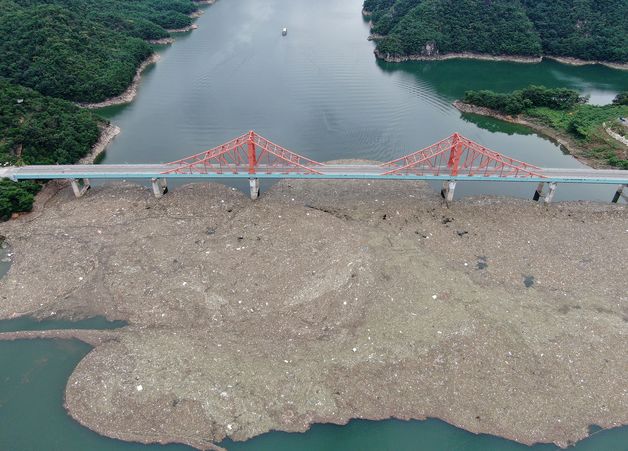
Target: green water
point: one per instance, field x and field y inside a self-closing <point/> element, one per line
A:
<point x="25" y="323"/>
<point x="320" y="92"/>
<point x="33" y="375"/>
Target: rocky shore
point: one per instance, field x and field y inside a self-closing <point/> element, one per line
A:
<point x="184" y="29"/>
<point x="484" y="57"/>
<point x="325" y="301"/>
<point x="107" y="134"/>
<point x="130" y="93"/>
<point x="164" y="41"/>
<point x="448" y="56"/>
<point x="580" y="62"/>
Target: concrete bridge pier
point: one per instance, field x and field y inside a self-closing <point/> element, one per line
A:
<point x="550" y="194"/>
<point x="160" y="187"/>
<point x="619" y="193"/>
<point x="539" y="191"/>
<point x="80" y="186"/>
<point x="448" y="190"/>
<point x="254" y="185"/>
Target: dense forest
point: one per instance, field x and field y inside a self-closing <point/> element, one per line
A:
<point x="82" y="50"/>
<point x="77" y="50"/>
<point x="565" y="111"/>
<point x="585" y="29"/>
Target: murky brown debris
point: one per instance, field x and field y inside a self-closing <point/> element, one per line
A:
<point x="326" y="301"/>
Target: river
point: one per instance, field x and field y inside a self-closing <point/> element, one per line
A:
<point x="318" y="91"/>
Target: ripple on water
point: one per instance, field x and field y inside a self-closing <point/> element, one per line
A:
<point x="425" y="92"/>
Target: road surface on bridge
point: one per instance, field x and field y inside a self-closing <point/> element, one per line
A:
<point x="252" y="156"/>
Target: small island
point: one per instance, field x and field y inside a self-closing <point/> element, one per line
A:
<point x="595" y="134"/>
<point x="525" y="31"/>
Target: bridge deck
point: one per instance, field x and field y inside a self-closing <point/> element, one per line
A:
<point x="331" y="171"/>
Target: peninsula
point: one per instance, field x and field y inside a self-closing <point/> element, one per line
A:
<point x="595" y="134"/>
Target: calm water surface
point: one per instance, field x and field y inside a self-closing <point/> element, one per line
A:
<point x="320" y="92"/>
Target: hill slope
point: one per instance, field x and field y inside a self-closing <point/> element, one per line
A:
<point x="585" y="29"/>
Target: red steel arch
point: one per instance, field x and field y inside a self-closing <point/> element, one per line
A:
<point x="246" y="153"/>
<point x="457" y="155"/>
<point x="453" y="156"/>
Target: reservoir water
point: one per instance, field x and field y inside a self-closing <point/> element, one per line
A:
<point x="318" y="91"/>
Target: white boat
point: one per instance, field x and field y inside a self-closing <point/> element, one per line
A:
<point x="284" y="31"/>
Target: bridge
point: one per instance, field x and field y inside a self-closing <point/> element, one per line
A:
<point x="252" y="156"/>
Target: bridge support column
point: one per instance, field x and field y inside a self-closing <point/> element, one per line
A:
<point x="254" y="185"/>
<point x="539" y="191"/>
<point x="550" y="194"/>
<point x="448" y="190"/>
<point x="619" y="193"/>
<point x="80" y="186"/>
<point x="160" y="187"/>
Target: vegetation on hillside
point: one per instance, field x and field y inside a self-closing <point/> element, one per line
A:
<point x="35" y="129"/>
<point x="566" y="112"/>
<point x="586" y="29"/>
<point x="145" y="19"/>
<point x="16" y="197"/>
<point x="621" y="99"/>
<point x="82" y="50"/>
<point x="531" y="97"/>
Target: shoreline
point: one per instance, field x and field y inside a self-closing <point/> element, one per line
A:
<point x="130" y="93"/>
<point x="163" y="41"/>
<point x="107" y="134"/>
<point x="461" y="55"/>
<point x="564" y="141"/>
<point x="484" y="57"/>
<point x="348" y="229"/>
<point x="579" y="62"/>
<point x="184" y="29"/>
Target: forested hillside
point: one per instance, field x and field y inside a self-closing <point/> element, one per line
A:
<point x="585" y="29"/>
<point x="78" y="50"/>
<point x="82" y="50"/>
